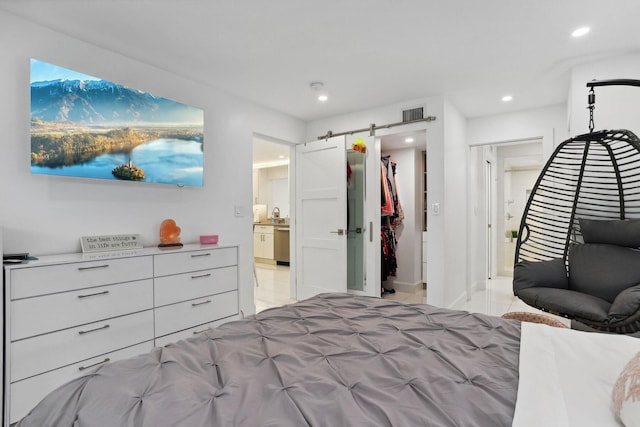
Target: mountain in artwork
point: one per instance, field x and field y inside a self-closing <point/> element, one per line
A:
<point x="97" y="102"/>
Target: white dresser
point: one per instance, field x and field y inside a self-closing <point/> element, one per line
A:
<point x="66" y="314"/>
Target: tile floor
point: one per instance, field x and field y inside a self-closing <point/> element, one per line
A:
<point x="496" y="299"/>
<point x="273" y="286"/>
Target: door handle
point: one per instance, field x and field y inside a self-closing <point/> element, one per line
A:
<point x="340" y="232"/>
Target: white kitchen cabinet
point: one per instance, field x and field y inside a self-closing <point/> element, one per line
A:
<point x="263" y="242"/>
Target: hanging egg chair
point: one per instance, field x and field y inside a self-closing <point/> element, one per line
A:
<point x="577" y="249"/>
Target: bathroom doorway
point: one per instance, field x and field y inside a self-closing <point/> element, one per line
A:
<point x="508" y="171"/>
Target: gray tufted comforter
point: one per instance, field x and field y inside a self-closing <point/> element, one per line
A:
<point x="332" y="360"/>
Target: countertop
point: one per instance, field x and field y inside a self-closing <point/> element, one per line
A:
<point x="272" y="224"/>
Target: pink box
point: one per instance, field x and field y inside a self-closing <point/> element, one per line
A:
<point x="210" y="239"/>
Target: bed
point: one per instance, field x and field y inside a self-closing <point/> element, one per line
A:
<point x="344" y="360"/>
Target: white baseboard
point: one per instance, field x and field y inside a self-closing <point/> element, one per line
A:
<point x="406" y="287"/>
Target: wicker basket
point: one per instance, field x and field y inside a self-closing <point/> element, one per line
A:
<point x="534" y="318"/>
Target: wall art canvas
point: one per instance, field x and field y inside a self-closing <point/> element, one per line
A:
<point x="83" y="126"/>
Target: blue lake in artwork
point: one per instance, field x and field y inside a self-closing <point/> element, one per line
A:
<point x="166" y="161"/>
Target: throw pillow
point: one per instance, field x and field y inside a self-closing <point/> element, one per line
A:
<point x="547" y="274"/>
<point x="621" y="232"/>
<point x="626" y="394"/>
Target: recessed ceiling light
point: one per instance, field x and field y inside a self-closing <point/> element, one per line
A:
<point x="281" y="156"/>
<point x="318" y="86"/>
<point x="408" y="140"/>
<point x="581" y="32"/>
<point x="507" y="98"/>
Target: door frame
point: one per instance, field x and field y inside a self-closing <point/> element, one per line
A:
<point x="497" y="209"/>
<point x="489" y="204"/>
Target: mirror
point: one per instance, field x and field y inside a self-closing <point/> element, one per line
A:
<point x="355" y="220"/>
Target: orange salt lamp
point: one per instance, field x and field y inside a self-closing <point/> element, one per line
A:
<point x="169" y="234"/>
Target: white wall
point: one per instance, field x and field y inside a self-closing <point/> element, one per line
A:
<point x="273" y="189"/>
<point x="454" y="210"/>
<point x="476" y="219"/>
<point x="43" y="215"/>
<point x="547" y="123"/>
<point x="616" y="107"/>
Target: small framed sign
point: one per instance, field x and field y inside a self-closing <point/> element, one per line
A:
<point x="114" y="242"/>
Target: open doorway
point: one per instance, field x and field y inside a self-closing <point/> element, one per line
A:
<point x="510" y="170"/>
<point x="271" y="222"/>
<point x="403" y="273"/>
<point x="520" y="172"/>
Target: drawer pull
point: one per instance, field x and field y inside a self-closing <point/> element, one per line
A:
<point x="199" y="332"/>
<point x="93" y="330"/>
<point x="95" y="267"/>
<point x="195" y="304"/>
<point x="93" y="295"/>
<point x="82" y="368"/>
<point x="201" y="255"/>
<point x="201" y="276"/>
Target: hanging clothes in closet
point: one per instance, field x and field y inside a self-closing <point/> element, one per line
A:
<point x="392" y="216"/>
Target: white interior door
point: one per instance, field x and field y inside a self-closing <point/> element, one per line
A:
<point x="321" y="217"/>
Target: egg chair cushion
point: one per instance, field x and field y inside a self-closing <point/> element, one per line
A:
<point x="603" y="270"/>
<point x="548" y="274"/>
<point x="567" y="303"/>
<point x="625" y="232"/>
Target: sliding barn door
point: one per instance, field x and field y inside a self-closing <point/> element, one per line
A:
<point x="321" y="217"/>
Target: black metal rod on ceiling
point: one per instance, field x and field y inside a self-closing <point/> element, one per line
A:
<point x="373" y="127"/>
<point x="614" y="82"/>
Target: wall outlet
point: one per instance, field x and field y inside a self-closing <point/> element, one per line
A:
<point x="435" y="208"/>
<point x="238" y="212"/>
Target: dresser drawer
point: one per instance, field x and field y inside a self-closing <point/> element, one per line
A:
<point x="80" y="307"/>
<point x="187" y="286"/>
<point x="28" y="282"/>
<point x="44" y="353"/>
<point x="188" y="333"/>
<point x="26" y="394"/>
<point x="264" y="229"/>
<point x="183" y="262"/>
<point x="184" y="315"/>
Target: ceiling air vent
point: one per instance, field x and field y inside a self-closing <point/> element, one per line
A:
<point x="412" y="114"/>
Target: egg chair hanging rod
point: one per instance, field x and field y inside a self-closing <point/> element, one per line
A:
<point x="614" y="82"/>
<point x="610" y="82"/>
<point x="373" y="127"/>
